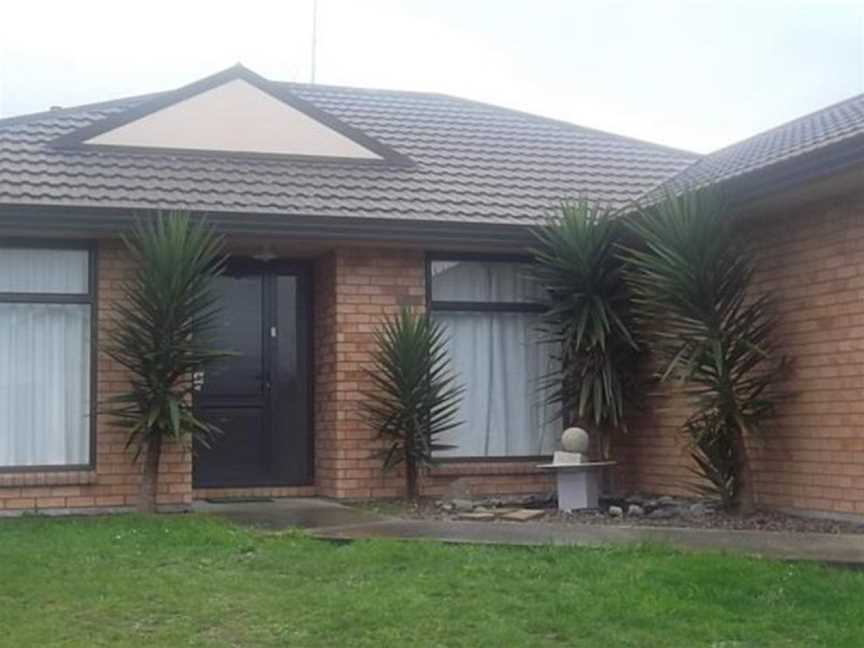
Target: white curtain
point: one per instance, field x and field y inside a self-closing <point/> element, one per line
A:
<point x="480" y="281"/>
<point x="29" y="270"/>
<point x="44" y="361"/>
<point x="502" y="365"/>
<point x="498" y="358"/>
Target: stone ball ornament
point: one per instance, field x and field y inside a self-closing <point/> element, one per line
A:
<point x="574" y="439"/>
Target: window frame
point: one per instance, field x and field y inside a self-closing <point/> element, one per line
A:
<point x="87" y="299"/>
<point x="444" y="306"/>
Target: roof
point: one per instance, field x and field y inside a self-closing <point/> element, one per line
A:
<point x="467" y="162"/>
<point x="823" y="131"/>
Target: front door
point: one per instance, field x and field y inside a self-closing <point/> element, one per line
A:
<point x="259" y="397"/>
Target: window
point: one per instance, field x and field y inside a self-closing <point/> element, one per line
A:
<point x="489" y="309"/>
<point x="46" y="298"/>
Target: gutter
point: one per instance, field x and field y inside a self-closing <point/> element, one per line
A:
<point x="828" y="161"/>
<point x="93" y="222"/>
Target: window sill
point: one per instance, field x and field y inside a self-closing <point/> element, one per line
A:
<point x="48" y="478"/>
<point x="480" y="466"/>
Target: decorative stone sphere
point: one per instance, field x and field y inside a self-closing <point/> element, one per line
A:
<point x="574" y="439"/>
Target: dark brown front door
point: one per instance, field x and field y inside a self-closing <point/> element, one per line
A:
<point x="260" y="396"/>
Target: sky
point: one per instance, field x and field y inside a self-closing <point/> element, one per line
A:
<point x="693" y="75"/>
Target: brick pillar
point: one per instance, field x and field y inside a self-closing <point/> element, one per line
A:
<point x="354" y="290"/>
<point x="116" y="475"/>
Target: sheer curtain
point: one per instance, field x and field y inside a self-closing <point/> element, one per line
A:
<point x="44" y="360"/>
<point x="53" y="272"/>
<point x="502" y="366"/>
<point x="498" y="358"/>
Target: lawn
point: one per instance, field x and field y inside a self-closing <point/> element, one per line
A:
<point x="193" y="581"/>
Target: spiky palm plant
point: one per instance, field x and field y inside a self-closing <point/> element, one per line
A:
<point x="692" y="279"/>
<point x="588" y="321"/>
<point x="415" y="397"/>
<point x="163" y="334"/>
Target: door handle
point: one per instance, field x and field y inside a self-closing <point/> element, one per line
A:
<point x="265" y="382"/>
<point x="198" y="380"/>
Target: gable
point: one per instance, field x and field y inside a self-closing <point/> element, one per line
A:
<point x="234" y="117"/>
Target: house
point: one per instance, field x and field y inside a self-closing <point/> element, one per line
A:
<point x="341" y="205"/>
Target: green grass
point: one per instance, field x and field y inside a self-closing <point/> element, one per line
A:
<point x="193" y="581"/>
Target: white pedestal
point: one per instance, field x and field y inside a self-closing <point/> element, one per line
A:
<point x="577" y="490"/>
<point x="578" y="484"/>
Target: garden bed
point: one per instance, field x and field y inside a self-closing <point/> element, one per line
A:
<point x="635" y="510"/>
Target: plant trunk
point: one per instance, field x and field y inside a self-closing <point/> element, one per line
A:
<point x="411" y="478"/>
<point x="150" y="476"/>
<point x="605" y="443"/>
<point x="744" y="501"/>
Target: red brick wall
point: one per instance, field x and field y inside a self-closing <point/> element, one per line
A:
<point x="812" y="457"/>
<point x="653" y="456"/>
<point x="114" y="481"/>
<point x="328" y="455"/>
<point x="355" y="290"/>
<point x="488" y="478"/>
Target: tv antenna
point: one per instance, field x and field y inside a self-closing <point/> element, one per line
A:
<point x="314" y="39"/>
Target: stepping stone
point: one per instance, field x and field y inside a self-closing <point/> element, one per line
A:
<point x="462" y="505"/>
<point x="476" y="517"/>
<point x="504" y="510"/>
<point x="523" y="515"/>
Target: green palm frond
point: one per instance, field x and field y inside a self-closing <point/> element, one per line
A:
<point x="588" y="320"/>
<point x="414" y="397"/>
<point x="691" y="279"/>
<point x="165" y="320"/>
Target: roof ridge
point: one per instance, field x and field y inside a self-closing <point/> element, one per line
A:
<point x="711" y="157"/>
<point x="331" y="86"/>
<point x="15" y="119"/>
<point x="572" y="125"/>
<point x="670" y="181"/>
<point x="786" y="124"/>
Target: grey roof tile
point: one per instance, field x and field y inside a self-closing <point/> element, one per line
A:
<point x="472" y="162"/>
<point x="817" y="131"/>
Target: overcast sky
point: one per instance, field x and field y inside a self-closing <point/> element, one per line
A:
<point x="696" y="75"/>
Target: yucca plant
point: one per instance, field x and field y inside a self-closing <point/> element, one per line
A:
<point x="415" y="398"/>
<point x="692" y="280"/>
<point x="163" y="334"/>
<point x="588" y="322"/>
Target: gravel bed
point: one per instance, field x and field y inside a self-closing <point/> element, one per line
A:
<point x="760" y="521"/>
<point x="660" y="512"/>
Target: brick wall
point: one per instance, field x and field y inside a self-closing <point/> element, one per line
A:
<point x="113" y="484"/>
<point x="355" y="290"/>
<point x="653" y="456"/>
<point x="813" y="261"/>
<point x="488" y="478"/>
<point x="812" y="457"/>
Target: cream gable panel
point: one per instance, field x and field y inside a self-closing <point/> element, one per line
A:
<point x="236" y="117"/>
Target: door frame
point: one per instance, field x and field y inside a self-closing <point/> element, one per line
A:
<point x="303" y="270"/>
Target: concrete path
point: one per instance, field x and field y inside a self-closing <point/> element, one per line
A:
<point x="290" y="512"/>
<point x="332" y="521"/>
